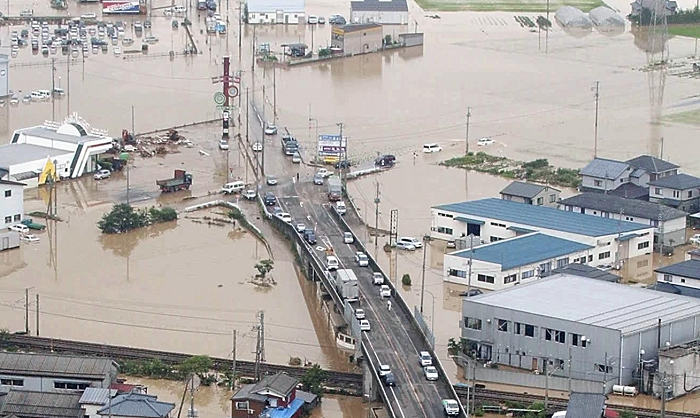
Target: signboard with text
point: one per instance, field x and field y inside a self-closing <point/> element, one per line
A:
<point x="331" y="148"/>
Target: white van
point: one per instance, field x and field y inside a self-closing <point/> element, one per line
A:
<point x="340" y="207"/>
<point x="180" y="9"/>
<point x="44" y="93"/>
<point x="35" y="95"/>
<point x="560" y="414"/>
<point x="430" y="148"/>
<point x="332" y="263"/>
<point x="19" y="228"/>
<point x="233" y="187"/>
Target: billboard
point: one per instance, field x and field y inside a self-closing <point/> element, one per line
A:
<point x="120" y="7"/>
<point x="331" y="148"/>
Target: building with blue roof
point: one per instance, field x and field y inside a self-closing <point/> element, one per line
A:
<point x="513" y="261"/>
<point x="489" y="220"/>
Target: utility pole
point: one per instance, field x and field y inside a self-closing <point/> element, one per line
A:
<point x="233" y="365"/>
<point x="376" y="219"/>
<point x="240" y="27"/>
<point x="68" y="85"/>
<point x="262" y="164"/>
<point x="663" y="396"/>
<point x="344" y="157"/>
<point x="26" y="310"/>
<point x="570" y="370"/>
<point x="471" y="258"/>
<point x="274" y="93"/>
<point x="192" y="413"/>
<point x="260" y="346"/>
<point x="252" y="66"/>
<point x="595" y="131"/>
<point x="662" y="147"/>
<point x="605" y="373"/>
<point x="133" y="131"/>
<point x="37" y="314"/>
<point x="247" y="120"/>
<point x="127" y="182"/>
<point x="466" y="139"/>
<point x="426" y="239"/>
<point x="262" y="336"/>
<point x="53" y="89"/>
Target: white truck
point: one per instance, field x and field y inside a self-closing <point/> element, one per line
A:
<point x="346" y="284"/>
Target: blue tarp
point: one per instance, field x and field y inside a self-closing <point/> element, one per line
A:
<point x="287" y="412"/>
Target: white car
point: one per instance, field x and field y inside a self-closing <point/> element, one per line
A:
<point x="223" y="145"/>
<point x="695" y="239"/>
<point x="360" y="313"/>
<point x="430" y="148"/>
<point x="30" y="238"/>
<point x="340" y="208"/>
<point x="271" y="180"/>
<point x="102" y="174"/>
<point x="361" y="259"/>
<point x="286" y="217"/>
<point x="270" y="130"/>
<point x="484" y="141"/>
<point x="425" y="359"/>
<point x="332" y="263"/>
<point x="405" y="246"/>
<point x="300" y="227"/>
<point x="412" y="241"/>
<point x="383" y="370"/>
<point x="168" y="12"/>
<point x="431" y="373"/>
<point x="450" y="406"/>
<point x="323" y="172"/>
<point x="257" y="147"/>
<point x="312" y="20"/>
<point x="250" y="194"/>
<point x="117" y="51"/>
<point x="385" y="291"/>
<point x="129" y="148"/>
<point x="24" y="229"/>
<point x="377" y="278"/>
<point x="364" y="325"/>
<point x="347" y="238"/>
<point x="180" y="9"/>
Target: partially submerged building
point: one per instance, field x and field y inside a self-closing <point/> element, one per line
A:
<point x="357" y="38"/>
<point x="286" y="12"/>
<point x="531" y="194"/>
<point x="37" y="404"/>
<point x="275" y="394"/>
<point x="628" y="179"/>
<point x="385" y="12"/>
<point x="680" y="191"/>
<point x="11" y="203"/>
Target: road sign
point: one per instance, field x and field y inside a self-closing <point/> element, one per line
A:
<point x="219" y="98"/>
<point x="224" y="108"/>
<point x="215" y="80"/>
<point x="232" y="92"/>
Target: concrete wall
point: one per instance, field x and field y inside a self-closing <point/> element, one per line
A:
<point x="682" y="374"/>
<point x="291" y="18"/>
<point x="531" y="380"/>
<point x="363" y="41"/>
<point x="4" y="76"/>
<point x="384" y="18"/>
<point x="12" y="206"/>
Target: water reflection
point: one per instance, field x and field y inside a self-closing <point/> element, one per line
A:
<point x="123" y="245"/>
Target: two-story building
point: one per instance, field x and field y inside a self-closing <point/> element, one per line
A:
<point x="628" y="179"/>
<point x="513" y="261"/>
<point x="680" y="191"/>
<point x="136" y="405"/>
<point x="384" y="12"/>
<point x="273" y="393"/>
<point x="494" y="220"/>
<point x="669" y="223"/>
<point x="11" y="203"/>
<point x="531" y="194"/>
<point x="684" y="274"/>
<point x="285" y="12"/>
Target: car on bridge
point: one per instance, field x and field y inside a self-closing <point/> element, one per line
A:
<point x="270" y="129"/>
<point x="430" y="372"/>
<point x="425" y="359"/>
<point x="271" y="180"/>
<point x="332" y="263"/>
<point x="385" y="291"/>
<point x="364" y="325"/>
<point x="360" y="313"/>
<point x="383" y="370"/>
<point x="340" y="207"/>
<point x="347" y="238"/>
<point x="257" y="147"/>
<point x="286" y="217"/>
<point x="250" y="194"/>
<point x="361" y="259"/>
<point x="377" y="278"/>
<point x="310" y="236"/>
<point x="270" y="199"/>
<point x="389" y="379"/>
<point x="451" y="407"/>
<point x="301" y="227"/>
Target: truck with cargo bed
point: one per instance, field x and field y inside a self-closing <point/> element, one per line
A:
<point x="346" y="284"/>
<point x="289" y="145"/>
<point x="335" y="188"/>
<point x="181" y="181"/>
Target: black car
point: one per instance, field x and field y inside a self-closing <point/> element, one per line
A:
<point x="310" y="236"/>
<point x="337" y="20"/>
<point x="389" y="379"/>
<point x="343" y="164"/>
<point x="386" y="160"/>
<point x="270" y="199"/>
<point x="472" y="292"/>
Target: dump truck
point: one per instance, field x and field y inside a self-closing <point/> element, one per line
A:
<point x="335" y="188"/>
<point x="181" y="181"/>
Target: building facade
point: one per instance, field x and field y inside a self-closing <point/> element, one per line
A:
<point x="286" y="12"/>
<point x="37" y="404"/>
<point x="531" y="194"/>
<point x="495" y="219"/>
<point x="507" y="263"/>
<point x="605" y="175"/>
<point x="683" y="274"/>
<point x="4" y="75"/>
<point x="680" y="191"/>
<point x="277" y="393"/>
<point x="384" y="12"/>
<point x="669" y="223"/>
<point x="576" y="327"/>
<point x="357" y="39"/>
<point x="11" y="203"/>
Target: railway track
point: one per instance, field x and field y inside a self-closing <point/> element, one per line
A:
<point x="499" y="396"/>
<point x="333" y="379"/>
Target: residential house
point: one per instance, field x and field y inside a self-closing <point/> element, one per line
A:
<point x="680" y="191"/>
<point x="584" y="270"/>
<point x="628" y="179"/>
<point x="287" y="12"/>
<point x="531" y="193"/>
<point x="384" y="12"/>
<point x="668" y="223"/>
<point x="275" y="394"/>
<point x="11" y="203"/>
<point x="602" y="175"/>
<point x="494" y="219"/>
<point x="54" y="373"/>
<point x="510" y="262"/>
<point x="136" y="405"/>
<point x="693" y="254"/>
<point x="357" y="38"/>
<point x="93" y="399"/>
<point x="683" y="274"/>
<point x="36" y="404"/>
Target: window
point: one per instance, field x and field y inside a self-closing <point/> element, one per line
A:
<point x="597" y="183"/>
<point x="241" y="406"/>
<point x="503" y="325"/>
<point x="528" y="274"/>
<point x="510" y="279"/>
<point x="8" y="219"/>
<point x="498" y="224"/>
<point x="8" y="193"/>
<point x="18" y="217"/>
<point x="690" y="193"/>
<point x="12" y="382"/>
<point x="70" y="385"/>
<point x="494" y="239"/>
<point x="518" y="328"/>
<point x="629" y="218"/>
<point x="540" y="201"/>
<point x="562" y="262"/>
<point x="668" y="278"/>
<point x="560" y="337"/>
<point x="552" y="198"/>
<point x="457" y="273"/>
<point x="575" y="339"/>
<point x="682" y="280"/>
<point x="445" y="215"/>
<point x="529" y="330"/>
<point x="643" y="245"/>
<point x="472" y="323"/>
<point x="676" y="194"/>
<point x="658" y="191"/>
<point x="604" y="255"/>
<point x="548" y="334"/>
<point x="603" y="368"/>
<point x="484" y="278"/>
<point x="590" y="258"/>
<point x="443" y="230"/>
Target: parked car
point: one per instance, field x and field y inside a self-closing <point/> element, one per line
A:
<point x="412" y="241"/>
<point x="102" y="174"/>
<point x="286" y="217"/>
<point x="301" y="227"/>
<point x="425" y="358"/>
<point x="332" y="263"/>
<point x="270" y="199"/>
<point x="450" y="406"/>
<point x="361" y="259"/>
<point x="471" y="292"/>
<point x="233" y="187"/>
<point x="695" y="239"/>
<point x="223" y="145"/>
<point x="360" y="313"/>
<point x="484" y="141"/>
<point x="386" y="160"/>
<point x="270" y="130"/>
<point x="343" y="164"/>
<point x="405" y="246"/>
<point x="383" y="370"/>
<point x="129" y="148"/>
<point x="385" y="291"/>
<point x="364" y="325"/>
<point x="430" y="372"/>
<point x="318" y="179"/>
<point x="257" y="147"/>
<point x="340" y="207"/>
<point x="377" y="278"/>
<point x="250" y="194"/>
<point x="323" y="172"/>
<point x="296" y="158"/>
<point x="23" y="229"/>
<point x="430" y="148"/>
<point x="337" y="20"/>
<point x="389" y="379"/>
<point x="29" y="238"/>
<point x="310" y="236"/>
<point x="312" y="20"/>
<point x="271" y="180"/>
<point x="321" y="20"/>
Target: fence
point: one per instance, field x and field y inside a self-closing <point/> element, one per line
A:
<point x="531" y="380"/>
<point x="427" y="332"/>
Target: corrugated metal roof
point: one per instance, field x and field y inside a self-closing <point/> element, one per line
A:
<point x="522" y="189"/>
<point x="585" y="405"/>
<point x="651" y="164"/>
<point x="379" y="6"/>
<point x="522" y="250"/>
<point x="137" y="405"/>
<point x="272" y="6"/>
<point x="604" y="168"/>
<point x="689" y="269"/>
<point x="608" y="305"/>
<point x="97" y="396"/>
<point x="629" y="207"/>
<point x="11" y="154"/>
<point x="542" y="217"/>
<point x="50" y="133"/>
<point x="32" y="404"/>
<point x="678" y="182"/>
<point x="55" y="365"/>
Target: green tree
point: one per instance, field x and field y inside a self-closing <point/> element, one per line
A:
<point x="4" y="335"/>
<point x="122" y="218"/>
<point x="264" y="267"/>
<point x="324" y="52"/>
<point x="162" y="215"/>
<point x="198" y="365"/>
<point x="312" y="380"/>
<point x="406" y="279"/>
<point x="627" y="414"/>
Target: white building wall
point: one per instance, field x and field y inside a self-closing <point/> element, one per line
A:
<point x="384" y="18"/>
<point x="11" y="206"/>
<point x="605" y="184"/>
<point x="678" y="280"/>
<point x="62" y="165"/>
<point x="291" y="18"/>
<point x="44" y="142"/>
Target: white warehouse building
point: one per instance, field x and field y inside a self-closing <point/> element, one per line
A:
<point x="503" y="264"/>
<point x="287" y="12"/>
<point x="492" y="220"/>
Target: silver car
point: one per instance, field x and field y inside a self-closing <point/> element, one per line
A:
<point x="318" y="179"/>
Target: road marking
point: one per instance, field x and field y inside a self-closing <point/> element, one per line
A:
<point x="398" y="404"/>
<point x="396" y="399"/>
<point x="380" y="383"/>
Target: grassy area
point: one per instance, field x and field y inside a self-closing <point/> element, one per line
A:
<point x="537" y="170"/>
<point x="690" y="31"/>
<point x="691" y="117"/>
<point x="524" y="6"/>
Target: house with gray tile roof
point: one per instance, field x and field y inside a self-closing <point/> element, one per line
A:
<point x="602" y="175"/>
<point x="384" y="12"/>
<point x="531" y="194"/>
<point x="607" y="175"/>
<point x="656" y="167"/>
<point x="137" y="405"/>
<point x="275" y="394"/>
<point x="36" y="404"/>
<point x="669" y="223"/>
<point x="680" y="191"/>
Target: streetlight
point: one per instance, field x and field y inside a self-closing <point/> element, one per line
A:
<point x="426" y="240"/>
<point x="316" y="123"/>
<point x="432" y="315"/>
<point x="470" y="363"/>
<point x="546" y="384"/>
